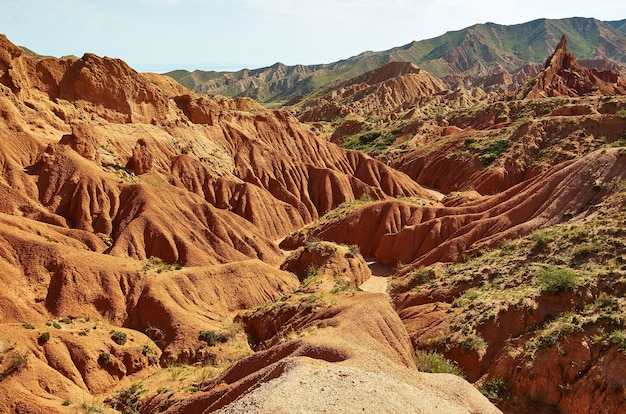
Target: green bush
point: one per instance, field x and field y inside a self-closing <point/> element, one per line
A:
<point x="542" y="239"/>
<point x="127" y="400"/>
<point x="119" y="337"/>
<point x="212" y="337"/>
<point x="17" y="362"/>
<point x="496" y="389"/>
<point x="369" y="137"/>
<point x="104" y="358"/>
<point x="369" y="141"/>
<point x="353" y="251"/>
<point x="435" y="363"/>
<point x="619" y="339"/>
<point x="44" y="337"/>
<point x="311" y="272"/>
<point x="157" y="264"/>
<point x="556" y="279"/>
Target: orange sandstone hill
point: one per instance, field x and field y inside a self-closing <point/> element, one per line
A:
<point x="139" y="259"/>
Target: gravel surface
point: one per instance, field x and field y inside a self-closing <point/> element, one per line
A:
<point x="313" y="386"/>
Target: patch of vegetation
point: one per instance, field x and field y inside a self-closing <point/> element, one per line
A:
<point x="473" y="342"/>
<point x="553" y="332"/>
<point x="157" y="264"/>
<point x="119" y="337"/>
<point x="92" y="408"/>
<point x="17" y="362"/>
<point x="341" y="286"/>
<point x="123" y="174"/>
<point x="104" y="358"/>
<point x="176" y="370"/>
<point x="340" y="212"/>
<point x="127" y="400"/>
<point x="353" y="251"/>
<point x="491" y="152"/>
<point x="370" y="142"/>
<point x="27" y="325"/>
<point x="496" y="389"/>
<point x="151" y="354"/>
<point x="556" y="279"/>
<point x="619" y="338"/>
<point x="311" y="273"/>
<point x="212" y="337"/>
<point x="430" y="361"/>
<point x="313" y="245"/>
<point x="44" y="337"/>
<point x="622" y="113"/>
<point x="542" y="238"/>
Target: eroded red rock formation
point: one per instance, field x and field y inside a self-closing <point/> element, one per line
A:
<point x="391" y="88"/>
<point x="564" y="76"/>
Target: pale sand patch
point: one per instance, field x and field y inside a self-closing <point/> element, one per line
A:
<point x="315" y="386"/>
<point x="377" y="283"/>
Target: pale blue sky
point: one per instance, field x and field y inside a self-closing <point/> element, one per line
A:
<point x="162" y="35"/>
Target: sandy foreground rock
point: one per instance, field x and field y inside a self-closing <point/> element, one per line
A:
<point x="308" y="386"/>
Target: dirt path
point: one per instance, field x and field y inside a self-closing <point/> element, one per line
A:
<point x="380" y="276"/>
<point x="434" y="192"/>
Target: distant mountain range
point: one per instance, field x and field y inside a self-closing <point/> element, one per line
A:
<point x="459" y="57"/>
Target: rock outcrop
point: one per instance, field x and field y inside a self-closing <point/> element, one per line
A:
<point x="564" y="76"/>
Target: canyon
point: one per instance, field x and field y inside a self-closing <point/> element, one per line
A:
<point x="164" y="250"/>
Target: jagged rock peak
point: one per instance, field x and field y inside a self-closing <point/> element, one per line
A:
<point x="564" y="76"/>
<point x="561" y="58"/>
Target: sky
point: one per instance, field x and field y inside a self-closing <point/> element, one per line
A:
<point x="163" y="35"/>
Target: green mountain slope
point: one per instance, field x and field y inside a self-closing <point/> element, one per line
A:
<point x="476" y="51"/>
